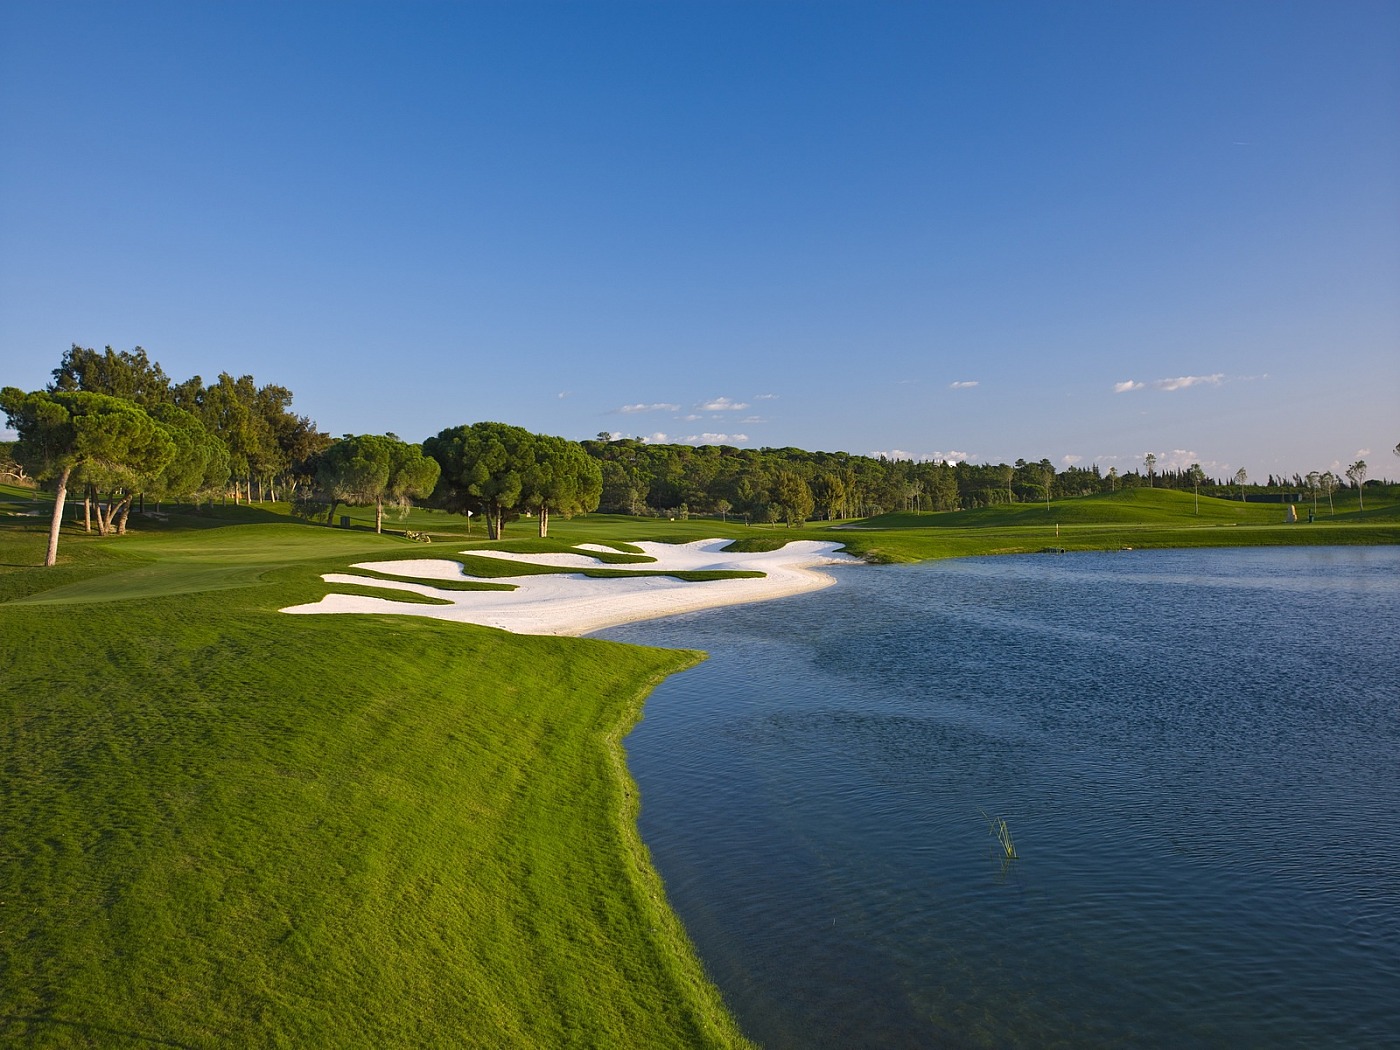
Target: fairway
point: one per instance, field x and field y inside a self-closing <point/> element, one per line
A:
<point x="226" y="826"/>
<point x="232" y="827"/>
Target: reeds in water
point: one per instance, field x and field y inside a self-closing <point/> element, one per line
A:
<point x="996" y="827"/>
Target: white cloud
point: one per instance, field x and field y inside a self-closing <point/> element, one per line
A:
<point x="766" y="397"/>
<point x="723" y="404"/>
<point x="1070" y="461"/>
<point x="656" y="439"/>
<point x="659" y="406"/>
<point x="963" y="384"/>
<point x="1179" y="382"/>
<point x="564" y="393"/>
<point x="753" y="419"/>
<point x="1177" y="459"/>
<point x="716" y="439"/>
<point x="1183" y="382"/>
<point x="1362" y="452"/>
<point x="923" y="457"/>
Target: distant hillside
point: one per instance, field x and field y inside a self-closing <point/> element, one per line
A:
<point x="1139" y="506"/>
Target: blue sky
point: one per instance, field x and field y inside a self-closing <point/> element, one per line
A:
<point x="1082" y="231"/>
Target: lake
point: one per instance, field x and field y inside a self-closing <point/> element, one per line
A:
<point x="1196" y="754"/>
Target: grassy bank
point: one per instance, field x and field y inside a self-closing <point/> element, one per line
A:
<point x="222" y="826"/>
<point x="1138" y="518"/>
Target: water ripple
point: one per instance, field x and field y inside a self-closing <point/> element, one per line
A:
<point x="1194" y="750"/>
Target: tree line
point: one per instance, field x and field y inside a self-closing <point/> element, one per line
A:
<point x="793" y="485"/>
<point x="114" y="428"/>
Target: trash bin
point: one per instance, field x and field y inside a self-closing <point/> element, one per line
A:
<point x="345" y="521"/>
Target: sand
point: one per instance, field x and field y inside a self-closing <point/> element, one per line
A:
<point x="573" y="604"/>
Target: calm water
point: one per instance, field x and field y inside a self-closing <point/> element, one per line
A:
<point x="1196" y="752"/>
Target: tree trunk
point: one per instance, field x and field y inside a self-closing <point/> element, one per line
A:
<point x="123" y="512"/>
<point x="330" y="518"/>
<point x="87" y="510"/>
<point x="56" y="522"/>
<point x="378" y="517"/>
<point x="544" y="521"/>
<point x="494" y="514"/>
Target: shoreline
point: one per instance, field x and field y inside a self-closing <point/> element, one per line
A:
<point x="575" y="605"/>
<point x="676" y="951"/>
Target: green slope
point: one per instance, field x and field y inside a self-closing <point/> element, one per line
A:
<point x="1130" y="506"/>
<point x="224" y="826"/>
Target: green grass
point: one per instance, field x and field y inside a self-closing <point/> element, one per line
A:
<point x="1140" y="518"/>
<point x="491" y="568"/>
<point x="389" y="592"/>
<point x="462" y="584"/>
<point x="224" y="826"/>
<point x="1130" y="506"/>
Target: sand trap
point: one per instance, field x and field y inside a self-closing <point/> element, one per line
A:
<point x="572" y="604"/>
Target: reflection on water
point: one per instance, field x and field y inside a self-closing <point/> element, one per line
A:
<point x="1195" y="751"/>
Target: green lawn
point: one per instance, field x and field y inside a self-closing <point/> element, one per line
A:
<point x="223" y="826"/>
<point x="1140" y="518"/>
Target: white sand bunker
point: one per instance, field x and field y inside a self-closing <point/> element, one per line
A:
<point x="569" y="603"/>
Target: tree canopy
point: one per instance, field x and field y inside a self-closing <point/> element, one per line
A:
<point x="94" y="438"/>
<point x="267" y="443"/>
<point x="1357" y="473"/>
<point x="483" y="469"/>
<point x="564" y="480"/>
<point x="125" y="374"/>
<point x="498" y="471"/>
<point x="200" y="465"/>
<point x="374" y="469"/>
<point x="792" y="498"/>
